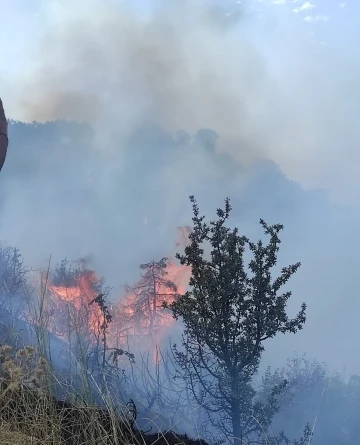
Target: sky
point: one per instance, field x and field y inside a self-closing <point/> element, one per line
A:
<point x="25" y="22"/>
<point x="278" y="80"/>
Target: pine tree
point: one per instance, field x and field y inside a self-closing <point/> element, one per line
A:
<point x="147" y="306"/>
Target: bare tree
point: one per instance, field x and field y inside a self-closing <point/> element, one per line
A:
<point x="13" y="276"/>
<point x="153" y="288"/>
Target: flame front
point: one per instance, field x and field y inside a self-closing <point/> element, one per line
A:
<point x="143" y="321"/>
<point x="138" y="318"/>
<point x="73" y="302"/>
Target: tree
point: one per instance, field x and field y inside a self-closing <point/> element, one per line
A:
<point x="228" y="313"/>
<point x="314" y="392"/>
<point x="149" y="294"/>
<point x="13" y="275"/>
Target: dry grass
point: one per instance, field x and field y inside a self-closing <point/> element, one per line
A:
<point x="9" y="437"/>
<point x="30" y="415"/>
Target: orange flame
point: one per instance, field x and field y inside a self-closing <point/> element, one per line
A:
<point x="79" y="295"/>
<point x="82" y="292"/>
<point x="138" y="330"/>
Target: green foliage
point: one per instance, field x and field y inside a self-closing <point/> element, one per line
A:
<point x="228" y="313"/>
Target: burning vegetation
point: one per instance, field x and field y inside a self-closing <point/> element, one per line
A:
<point x="137" y="320"/>
<point x="118" y="360"/>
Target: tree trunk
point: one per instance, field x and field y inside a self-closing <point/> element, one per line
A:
<point x="235" y="420"/>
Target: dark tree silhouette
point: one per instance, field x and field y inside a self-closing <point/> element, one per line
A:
<point x="229" y="312"/>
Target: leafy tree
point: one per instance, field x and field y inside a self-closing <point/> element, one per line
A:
<point x="228" y="313"/>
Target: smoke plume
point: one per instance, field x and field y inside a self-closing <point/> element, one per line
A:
<point x="139" y="72"/>
<point x="255" y="75"/>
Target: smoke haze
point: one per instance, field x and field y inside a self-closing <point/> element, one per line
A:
<point x="284" y="109"/>
<point x="190" y="65"/>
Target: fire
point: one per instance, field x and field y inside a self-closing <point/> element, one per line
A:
<point x="82" y="291"/>
<point x="79" y="296"/>
<point x="138" y="318"/>
<point x="144" y="320"/>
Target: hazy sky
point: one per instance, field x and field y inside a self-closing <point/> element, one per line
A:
<point x="25" y="21"/>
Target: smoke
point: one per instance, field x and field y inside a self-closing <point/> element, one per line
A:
<point x="253" y="74"/>
<point x="116" y="190"/>
<point x="179" y="67"/>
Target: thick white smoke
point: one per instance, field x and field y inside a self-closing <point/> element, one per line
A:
<point x="271" y="92"/>
<point x="251" y="72"/>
